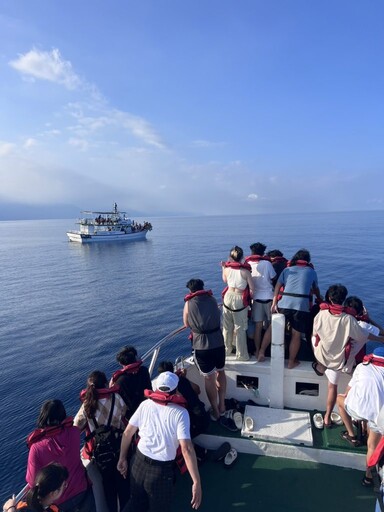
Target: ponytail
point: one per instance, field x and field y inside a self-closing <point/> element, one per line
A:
<point x="96" y="380"/>
<point x="48" y="479"/>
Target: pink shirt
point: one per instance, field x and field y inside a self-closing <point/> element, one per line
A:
<point x="64" y="448"/>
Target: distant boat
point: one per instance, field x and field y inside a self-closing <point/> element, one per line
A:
<point x="112" y="226"/>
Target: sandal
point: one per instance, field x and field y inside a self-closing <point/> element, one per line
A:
<point x="314" y="366"/>
<point x="367" y="481"/>
<point x="352" y="440"/>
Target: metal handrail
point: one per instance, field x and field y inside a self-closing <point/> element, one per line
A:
<point x="155" y="350"/>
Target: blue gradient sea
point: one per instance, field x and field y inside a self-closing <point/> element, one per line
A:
<point x="66" y="309"/>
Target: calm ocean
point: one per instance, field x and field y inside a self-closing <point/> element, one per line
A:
<point x="66" y="309"/>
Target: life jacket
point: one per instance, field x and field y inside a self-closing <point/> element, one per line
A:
<point x="129" y="368"/>
<point x="374" y="464"/>
<point x="100" y="393"/>
<point x="338" y="309"/>
<point x="255" y="258"/>
<point x="372" y="359"/>
<point x="165" y="398"/>
<point x="238" y="266"/>
<point x="42" y="433"/>
<point x="23" y="505"/>
<point x="299" y="263"/>
<point x="190" y="296"/>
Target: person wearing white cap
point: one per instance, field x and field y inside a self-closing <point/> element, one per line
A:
<point x="363" y="400"/>
<point x="163" y="425"/>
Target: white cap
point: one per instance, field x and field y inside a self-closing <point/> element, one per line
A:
<point x="167" y="382"/>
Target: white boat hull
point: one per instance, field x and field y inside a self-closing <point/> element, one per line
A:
<point x="106" y="236"/>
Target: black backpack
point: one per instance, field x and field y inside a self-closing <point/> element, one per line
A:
<point x="107" y="441"/>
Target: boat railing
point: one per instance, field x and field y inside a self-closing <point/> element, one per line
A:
<point x="155" y="350"/>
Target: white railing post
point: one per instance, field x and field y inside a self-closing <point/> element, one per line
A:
<point x="277" y="362"/>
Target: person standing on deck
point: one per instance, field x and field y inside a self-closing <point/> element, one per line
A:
<point x="236" y="301"/>
<point x="299" y="282"/>
<point x="132" y="378"/>
<point x="201" y="313"/>
<point x="363" y="400"/>
<point x="333" y="329"/>
<point x="262" y="276"/>
<point x="163" y="423"/>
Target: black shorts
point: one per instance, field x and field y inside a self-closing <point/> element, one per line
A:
<point x="301" y="321"/>
<point x="209" y="361"/>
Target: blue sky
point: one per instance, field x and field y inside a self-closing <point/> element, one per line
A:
<point x="192" y="106"/>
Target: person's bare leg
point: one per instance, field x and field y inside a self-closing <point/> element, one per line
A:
<point x="265" y="343"/>
<point x="294" y="348"/>
<point x="347" y="420"/>
<point x="211" y="390"/>
<point x="331" y="401"/>
<point x="221" y="386"/>
<point x="257" y="337"/>
<point x="372" y="442"/>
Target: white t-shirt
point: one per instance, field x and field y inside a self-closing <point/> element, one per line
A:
<point x="366" y="396"/>
<point x="160" y="429"/>
<point x="262" y="275"/>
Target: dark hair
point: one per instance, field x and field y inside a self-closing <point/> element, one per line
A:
<point x="96" y="380"/>
<point x="195" y="285"/>
<point x="302" y="254"/>
<point x="236" y="253"/>
<point x="49" y="479"/>
<point x="275" y="253"/>
<point x="336" y="294"/>
<point x="52" y="413"/>
<point x="258" y="248"/>
<point x="127" y="355"/>
<point x="165" y="366"/>
<point x="354" y="302"/>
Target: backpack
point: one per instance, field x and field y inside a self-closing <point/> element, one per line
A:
<point x="106" y="443"/>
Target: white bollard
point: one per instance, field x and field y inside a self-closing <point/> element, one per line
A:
<point x="277" y="362"/>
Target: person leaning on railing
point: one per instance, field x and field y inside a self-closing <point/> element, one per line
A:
<point x="50" y="483"/>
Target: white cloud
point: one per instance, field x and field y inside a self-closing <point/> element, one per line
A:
<point x="6" y="148"/>
<point x="47" y="66"/>
<point x="200" y="143"/>
<point x="29" y="143"/>
<point x="79" y="143"/>
<point x="253" y="197"/>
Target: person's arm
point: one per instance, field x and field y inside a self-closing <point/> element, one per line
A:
<point x="377" y="325"/>
<point x="33" y="466"/>
<point x="250" y="282"/>
<point x="189" y="455"/>
<point x="122" y="464"/>
<point x="316" y="291"/>
<point x="10" y="505"/>
<point x="372" y="337"/>
<point x="80" y="420"/>
<point x="185" y="315"/>
<point x="275" y="294"/>
<point x="223" y="271"/>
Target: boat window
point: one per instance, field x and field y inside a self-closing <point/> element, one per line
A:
<point x="242" y="381"/>
<point x="307" y="388"/>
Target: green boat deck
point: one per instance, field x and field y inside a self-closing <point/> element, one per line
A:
<point x="271" y="484"/>
<point x="275" y="485"/>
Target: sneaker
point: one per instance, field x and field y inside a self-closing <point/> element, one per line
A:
<point x="228" y="424"/>
<point x="236" y="416"/>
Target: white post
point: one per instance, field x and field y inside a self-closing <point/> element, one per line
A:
<point x="277" y="362"/>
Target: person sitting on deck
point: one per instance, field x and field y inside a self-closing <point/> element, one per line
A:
<point x="236" y="301"/>
<point x="132" y="379"/>
<point x="298" y="282"/>
<point x="363" y="400"/>
<point x="262" y="275"/>
<point x="333" y="328"/>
